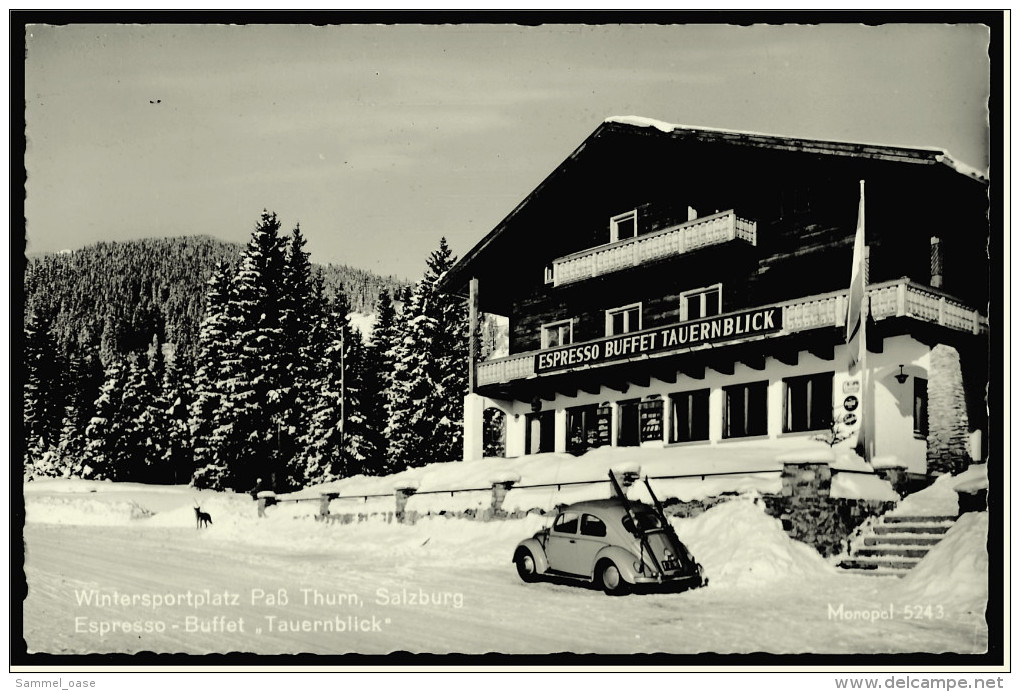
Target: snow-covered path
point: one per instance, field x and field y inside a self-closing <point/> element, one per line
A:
<point x="482" y="606"/>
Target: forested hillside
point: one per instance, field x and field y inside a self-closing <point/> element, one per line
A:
<point x="193" y="361"/>
<point x="118" y="296"/>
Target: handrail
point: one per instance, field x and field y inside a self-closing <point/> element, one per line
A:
<point x="558" y="485"/>
<point x="677" y="239"/>
<point x="940" y="308"/>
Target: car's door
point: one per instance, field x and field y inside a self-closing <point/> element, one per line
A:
<point x="590" y="540"/>
<point x="563" y="543"/>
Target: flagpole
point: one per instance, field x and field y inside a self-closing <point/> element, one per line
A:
<point x="858" y="308"/>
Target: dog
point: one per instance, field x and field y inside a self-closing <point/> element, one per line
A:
<point x="202" y="518"/>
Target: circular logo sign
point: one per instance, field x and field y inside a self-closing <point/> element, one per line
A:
<point x="850" y="419"/>
<point x="850" y="403"/>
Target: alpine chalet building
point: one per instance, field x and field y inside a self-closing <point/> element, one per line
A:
<point x="674" y="286"/>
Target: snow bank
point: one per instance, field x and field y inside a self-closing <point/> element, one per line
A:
<point x="741" y="546"/>
<point x="757" y="459"/>
<point x="855" y="486"/>
<point x="940" y="498"/>
<point x="80" y="485"/>
<point x="955" y="572"/>
<point x="77" y="501"/>
<point x="85" y="511"/>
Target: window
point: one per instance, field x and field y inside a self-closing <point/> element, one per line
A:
<point x="808" y="402"/>
<point x="629" y="434"/>
<point x="592" y="526"/>
<point x="701" y="302"/>
<point x="623" y="320"/>
<point x="746" y="409"/>
<point x="558" y="334"/>
<point x="920" y="407"/>
<point x="583" y="428"/>
<point x="566" y="523"/>
<point x="690" y="416"/>
<point x="539" y="434"/>
<point x="623" y="226"/>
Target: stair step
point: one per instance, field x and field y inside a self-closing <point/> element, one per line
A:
<point x="894" y="539"/>
<point x="891" y="551"/>
<point x="916" y="519"/>
<point x="882" y="529"/>
<point x="873" y="571"/>
<point x="876" y="562"/>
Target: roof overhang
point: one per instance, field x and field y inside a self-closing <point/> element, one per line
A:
<point x="619" y="129"/>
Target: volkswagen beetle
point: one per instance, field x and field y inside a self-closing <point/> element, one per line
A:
<point x="616" y="544"/>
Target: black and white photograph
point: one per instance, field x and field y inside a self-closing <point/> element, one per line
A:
<point x="540" y="340"/>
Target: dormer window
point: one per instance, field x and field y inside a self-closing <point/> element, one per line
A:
<point x="623" y="226"/>
<point x="701" y="302"/>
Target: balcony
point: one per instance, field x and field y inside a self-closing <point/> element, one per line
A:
<point x="900" y="298"/>
<point x="669" y="242"/>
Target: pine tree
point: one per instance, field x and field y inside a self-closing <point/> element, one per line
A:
<point x="452" y="359"/>
<point x="215" y="344"/>
<point x="429" y="376"/>
<point x="334" y="445"/>
<point x="176" y="402"/>
<point x="105" y="454"/>
<point x="378" y="377"/>
<point x="44" y="390"/>
<point x="257" y="388"/>
<point x="302" y="305"/>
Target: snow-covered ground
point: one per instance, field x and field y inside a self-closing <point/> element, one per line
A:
<point x="287" y="584"/>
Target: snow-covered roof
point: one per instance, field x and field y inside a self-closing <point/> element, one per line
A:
<point x="936" y="154"/>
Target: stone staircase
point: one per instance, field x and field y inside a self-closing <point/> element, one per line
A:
<point x="893" y="545"/>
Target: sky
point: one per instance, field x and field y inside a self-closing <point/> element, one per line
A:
<point x="379" y="140"/>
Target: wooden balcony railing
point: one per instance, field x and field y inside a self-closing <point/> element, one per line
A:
<point x="900" y="298"/>
<point x="633" y="252"/>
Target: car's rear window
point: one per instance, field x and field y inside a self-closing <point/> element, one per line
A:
<point x="592" y="526"/>
<point x="646" y="521"/>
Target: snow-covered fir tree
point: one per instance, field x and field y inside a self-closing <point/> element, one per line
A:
<point x="44" y="391"/>
<point x="333" y="445"/>
<point x="215" y="342"/>
<point x="378" y="377"/>
<point x="105" y="453"/>
<point x="429" y="372"/>
<point x="140" y="434"/>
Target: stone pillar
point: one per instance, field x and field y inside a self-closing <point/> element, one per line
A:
<point x="474" y="427"/>
<point x="499" y="491"/>
<point x="896" y="475"/>
<point x="400" y="496"/>
<point x="948" y="434"/>
<point x="626" y="478"/>
<point x="803" y="479"/>
<point x="324" y="505"/>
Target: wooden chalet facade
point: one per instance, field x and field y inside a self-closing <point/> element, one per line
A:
<point x="668" y="285"/>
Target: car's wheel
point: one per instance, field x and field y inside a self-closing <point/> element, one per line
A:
<point x="610" y="579"/>
<point x="526" y="568"/>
